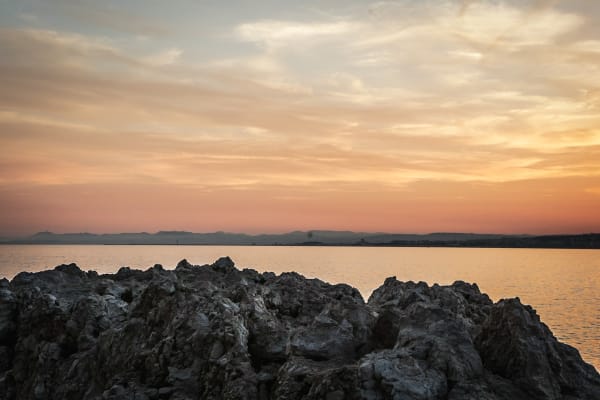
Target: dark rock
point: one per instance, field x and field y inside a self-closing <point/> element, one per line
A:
<point x="214" y="332"/>
<point x="183" y="264"/>
<point x="8" y="312"/>
<point x="71" y="269"/>
<point x="516" y="345"/>
<point x="224" y="265"/>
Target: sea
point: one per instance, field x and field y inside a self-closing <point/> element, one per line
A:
<point x="562" y="285"/>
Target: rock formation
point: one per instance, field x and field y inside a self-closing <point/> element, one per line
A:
<point x="215" y="332"/>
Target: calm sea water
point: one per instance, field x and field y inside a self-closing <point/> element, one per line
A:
<point x="562" y="285"/>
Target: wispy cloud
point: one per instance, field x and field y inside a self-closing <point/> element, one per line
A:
<point x="273" y="33"/>
<point x="165" y="57"/>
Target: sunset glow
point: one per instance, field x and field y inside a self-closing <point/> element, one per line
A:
<point x="397" y="116"/>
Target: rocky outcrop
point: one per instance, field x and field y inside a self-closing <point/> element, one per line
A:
<point x="215" y="332"/>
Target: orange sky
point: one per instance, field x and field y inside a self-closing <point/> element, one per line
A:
<point x="396" y="116"/>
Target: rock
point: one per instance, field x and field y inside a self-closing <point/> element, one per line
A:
<point x="8" y="310"/>
<point x="71" y="269"/>
<point x="516" y="345"/>
<point x="398" y="375"/>
<point x="183" y="264"/>
<point x="224" y="265"/>
<point x="215" y="332"/>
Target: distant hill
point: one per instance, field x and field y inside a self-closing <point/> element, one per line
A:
<point x="318" y="238"/>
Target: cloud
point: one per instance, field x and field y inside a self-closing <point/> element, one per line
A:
<point x="587" y="46"/>
<point x="464" y="7"/>
<point x="165" y="57"/>
<point x="593" y="190"/>
<point x="500" y="24"/>
<point x="273" y="33"/>
<point x="48" y="49"/>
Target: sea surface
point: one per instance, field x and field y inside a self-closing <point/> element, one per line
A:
<point x="562" y="285"/>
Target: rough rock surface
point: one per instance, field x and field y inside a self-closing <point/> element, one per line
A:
<point x="214" y="332"/>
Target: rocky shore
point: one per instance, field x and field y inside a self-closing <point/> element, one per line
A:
<point x="215" y="332"/>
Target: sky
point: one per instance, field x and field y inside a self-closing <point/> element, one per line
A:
<point x="271" y="116"/>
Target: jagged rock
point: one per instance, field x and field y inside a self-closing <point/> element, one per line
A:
<point x="515" y="344"/>
<point x="214" y="332"/>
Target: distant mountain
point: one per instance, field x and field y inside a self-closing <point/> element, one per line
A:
<point x="318" y="238"/>
<point x="183" y="237"/>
